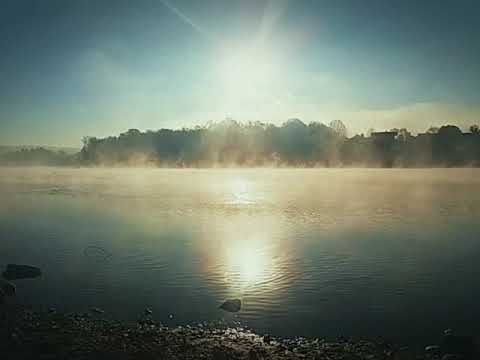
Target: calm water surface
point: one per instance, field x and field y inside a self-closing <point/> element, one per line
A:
<point x="309" y="252"/>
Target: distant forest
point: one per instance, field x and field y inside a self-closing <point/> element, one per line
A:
<point x="295" y="144"/>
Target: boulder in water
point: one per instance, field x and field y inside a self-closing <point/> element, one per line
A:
<point x="233" y="305"/>
<point x="7" y="288"/>
<point x="14" y="272"/>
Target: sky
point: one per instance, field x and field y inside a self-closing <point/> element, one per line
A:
<point x="75" y="68"/>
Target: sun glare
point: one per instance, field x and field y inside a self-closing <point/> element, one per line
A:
<point x="245" y="72"/>
<point x="247" y="264"/>
<point x="241" y="193"/>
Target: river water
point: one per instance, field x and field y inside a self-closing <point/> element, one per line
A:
<point x="318" y="252"/>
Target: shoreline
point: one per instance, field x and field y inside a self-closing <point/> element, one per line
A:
<point x="29" y="334"/>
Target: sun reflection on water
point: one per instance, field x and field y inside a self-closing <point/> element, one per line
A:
<point x="247" y="264"/>
<point x="240" y="192"/>
<point x="245" y="252"/>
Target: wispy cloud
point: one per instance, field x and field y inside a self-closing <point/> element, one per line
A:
<point x="187" y="20"/>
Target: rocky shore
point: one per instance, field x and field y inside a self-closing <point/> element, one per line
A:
<point x="26" y="334"/>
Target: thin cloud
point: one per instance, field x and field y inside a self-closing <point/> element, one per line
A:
<point x="186" y="19"/>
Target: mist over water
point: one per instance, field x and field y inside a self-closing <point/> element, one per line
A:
<point x="310" y="252"/>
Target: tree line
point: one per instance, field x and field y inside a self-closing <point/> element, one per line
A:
<point x="254" y="144"/>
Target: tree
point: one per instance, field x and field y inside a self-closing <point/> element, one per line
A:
<point x="450" y="131"/>
<point x="433" y="130"/>
<point x="339" y="127"/>
<point x="403" y="134"/>
<point x="474" y="129"/>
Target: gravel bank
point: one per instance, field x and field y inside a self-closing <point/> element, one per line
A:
<point x="31" y="335"/>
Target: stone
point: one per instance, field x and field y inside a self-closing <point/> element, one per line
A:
<point x="16" y="272"/>
<point x="233" y="305"/>
<point x="448" y="332"/>
<point x="452" y="357"/>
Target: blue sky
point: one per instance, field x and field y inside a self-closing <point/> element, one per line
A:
<point x="74" y="68"/>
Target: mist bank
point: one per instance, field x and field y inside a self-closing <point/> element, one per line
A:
<point x="293" y="144"/>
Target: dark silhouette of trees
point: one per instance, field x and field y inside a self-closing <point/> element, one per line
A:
<point x="339" y="127"/>
<point x="433" y="130"/>
<point x="38" y="156"/>
<point x="294" y="143"/>
<point x="227" y="143"/>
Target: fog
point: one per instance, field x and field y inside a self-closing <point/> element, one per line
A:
<point x="294" y="144"/>
<point x="363" y="251"/>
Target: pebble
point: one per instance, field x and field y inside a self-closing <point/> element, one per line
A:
<point x="97" y="310"/>
<point x="431" y="348"/>
<point x="202" y="341"/>
<point x="452" y="357"/>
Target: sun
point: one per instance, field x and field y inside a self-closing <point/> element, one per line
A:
<point x="245" y="71"/>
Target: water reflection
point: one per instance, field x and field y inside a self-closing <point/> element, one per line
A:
<point x="248" y="258"/>
<point x="240" y="192"/>
<point x="247" y="263"/>
<point x="309" y="252"/>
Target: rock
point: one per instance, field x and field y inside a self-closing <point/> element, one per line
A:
<point x="452" y="357"/>
<point x="232" y="305"/>
<point x="448" y="332"/>
<point x="14" y="272"/>
<point x="2" y="296"/>
<point x="148" y="312"/>
<point x="97" y="310"/>
<point x="432" y="348"/>
<point x="7" y="287"/>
